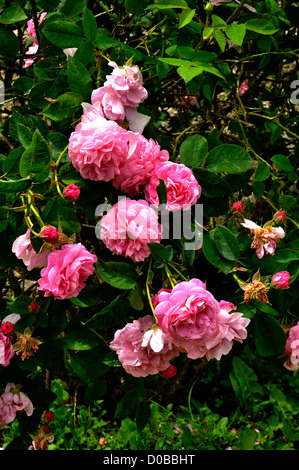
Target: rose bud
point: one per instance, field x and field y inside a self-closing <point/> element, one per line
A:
<point x="71" y="192"/>
<point x="7" y="328"/>
<point x="281" y="280"/>
<point x="237" y="207"/>
<point x="33" y="307"/>
<point x="280" y="217"/>
<point x="50" y="416"/>
<point x="169" y="373"/>
<point x="49" y="234"/>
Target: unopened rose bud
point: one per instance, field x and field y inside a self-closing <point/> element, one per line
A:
<point x="281" y="280"/>
<point x="33" y="307"/>
<point x="102" y="442"/>
<point x="46" y="428"/>
<point x="169" y="373"/>
<point x="49" y="234"/>
<point x="237" y="207"/>
<point x="50" y="416"/>
<point x="71" y="192"/>
<point x="7" y="328"/>
<point x="279" y="217"/>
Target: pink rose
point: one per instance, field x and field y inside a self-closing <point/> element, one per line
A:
<point x="31" y="26"/>
<point x="292" y="349"/>
<point x="67" y="270"/>
<point x="127" y="228"/>
<point x="32" y="50"/>
<point x="98" y="148"/>
<point x="136" y="354"/>
<point x="182" y="187"/>
<point x="23" y="250"/>
<point x="243" y="87"/>
<point x="137" y="170"/>
<point x="281" y="280"/>
<point x="11" y="402"/>
<point x="6" y="351"/>
<point x="265" y="239"/>
<point x="188" y="316"/>
<point x="230" y="327"/>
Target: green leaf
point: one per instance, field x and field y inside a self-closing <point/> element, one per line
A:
<point x="89" y="25"/>
<point x="88" y="367"/>
<point x="236" y="33"/>
<point x="81" y="339"/>
<point x="79" y="79"/>
<point x="226" y="243"/>
<point x="269" y="337"/>
<point x="262" y="172"/>
<point x="282" y="162"/>
<point x="213" y="256"/>
<point x="9" y="44"/>
<point x="212" y="185"/>
<point x="127" y="405"/>
<point x="63" y="34"/>
<point x="14" y="186"/>
<point x="220" y="38"/>
<point x="13" y="15"/>
<point x="36" y="159"/>
<point x="246" y="378"/>
<point x="117" y="274"/>
<point x="185" y="17"/>
<point x="261" y="26"/>
<point x="193" y="150"/>
<point x="166" y="4"/>
<point x="117" y="309"/>
<point x="229" y="158"/>
<point x="143" y="415"/>
<point x="160" y="252"/>
<point x="71" y="8"/>
<point x="286" y="256"/>
<point x="188" y="73"/>
<point x="63" y="107"/>
<point x="136" y="7"/>
<point x="25" y="135"/>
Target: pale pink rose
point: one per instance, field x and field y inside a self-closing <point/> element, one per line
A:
<point x="182" y="187"/>
<point x="91" y="111"/>
<point x="137" y="121"/>
<point x="265" y="239"/>
<point x="127" y="228"/>
<point x="292" y="349"/>
<point x="6" y="351"/>
<point x="13" y="401"/>
<point x="188" y="316"/>
<point x="70" y="51"/>
<point x="137" y="170"/>
<point x="136" y="355"/>
<point x="230" y="327"/>
<point x="111" y="105"/>
<point x="66" y="272"/>
<point x="227" y="306"/>
<point x="23" y="250"/>
<point x="98" y="148"/>
<point x="32" y="50"/>
<point x="281" y="280"/>
<point x="31" y="26"/>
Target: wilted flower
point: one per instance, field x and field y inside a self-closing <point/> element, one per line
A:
<point x="265" y="238"/>
<point x="255" y="290"/>
<point x="42" y="439"/>
<point x="26" y="344"/>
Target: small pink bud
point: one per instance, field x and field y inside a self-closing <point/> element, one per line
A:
<point x="280" y="217"/>
<point x="237" y="207"/>
<point x="7" y="328"/>
<point x="243" y="87"/>
<point x="71" y="192"/>
<point x="33" y="307"/>
<point x="102" y="442"/>
<point x="49" y="234"/>
<point x="281" y="280"/>
<point x="169" y="373"/>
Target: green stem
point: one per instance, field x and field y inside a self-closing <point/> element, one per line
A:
<point x="148" y="280"/>
<point x="169" y="275"/>
<point x="34" y="210"/>
<point x="61" y="155"/>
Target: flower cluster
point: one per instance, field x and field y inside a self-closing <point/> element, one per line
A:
<point x="188" y="320"/>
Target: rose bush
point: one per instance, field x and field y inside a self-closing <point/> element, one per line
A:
<point x="118" y="123"/>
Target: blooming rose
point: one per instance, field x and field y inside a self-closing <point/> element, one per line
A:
<point x="137" y="170"/>
<point x="23" y="250"/>
<point x="122" y="89"/>
<point x="281" y="280"/>
<point x="230" y="327"/>
<point x="11" y="402"/>
<point x="66" y="271"/>
<point x="6" y="351"/>
<point x="98" y="148"/>
<point x="292" y="349"/>
<point x="265" y="239"/>
<point x="136" y="353"/>
<point x="187" y="316"/>
<point x="127" y="228"/>
<point x="182" y="187"/>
